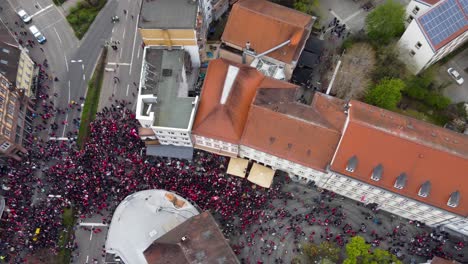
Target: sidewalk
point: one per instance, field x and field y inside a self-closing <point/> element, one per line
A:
<point x="69" y="4"/>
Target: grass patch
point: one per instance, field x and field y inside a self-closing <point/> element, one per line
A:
<point x="92" y="99"/>
<point x="59" y="2"/>
<point x="68" y="221"/>
<point x="82" y="16"/>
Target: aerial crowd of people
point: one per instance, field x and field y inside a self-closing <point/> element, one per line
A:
<point x="112" y="165"/>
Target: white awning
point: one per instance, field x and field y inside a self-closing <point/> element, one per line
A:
<point x="261" y="175"/>
<point x="237" y="167"/>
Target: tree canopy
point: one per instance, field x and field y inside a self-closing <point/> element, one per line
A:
<point x="307" y="6"/>
<point x="358" y="252"/>
<point x="386" y="94"/>
<point x="323" y="253"/>
<point x="386" y="22"/>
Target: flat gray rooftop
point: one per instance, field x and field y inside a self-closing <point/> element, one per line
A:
<point x="143" y="217"/>
<point x="168" y="14"/>
<point x="173" y="107"/>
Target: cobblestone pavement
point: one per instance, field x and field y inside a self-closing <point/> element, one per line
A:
<point x="272" y="238"/>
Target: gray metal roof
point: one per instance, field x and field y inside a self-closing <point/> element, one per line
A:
<point x="170" y="151"/>
<point x="352" y="163"/>
<point x="401" y="181"/>
<point x="454" y="199"/>
<point x="140" y="219"/>
<point x="425" y="189"/>
<point x="377" y="172"/>
<point x="168" y="14"/>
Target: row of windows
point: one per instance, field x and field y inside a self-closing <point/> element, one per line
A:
<point x="171" y="133"/>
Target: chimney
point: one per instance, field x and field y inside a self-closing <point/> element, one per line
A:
<point x="347" y="107"/>
<point x="184" y="239"/>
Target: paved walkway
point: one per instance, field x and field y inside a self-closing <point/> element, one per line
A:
<point x="69" y="4"/>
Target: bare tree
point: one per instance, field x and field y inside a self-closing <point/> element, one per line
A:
<point x="353" y="77"/>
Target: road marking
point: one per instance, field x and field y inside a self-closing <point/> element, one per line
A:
<point x="92" y="224"/>
<point x="69" y="90"/>
<point x="58" y="138"/>
<point x="87" y="259"/>
<point x="91" y="235"/>
<point x="138" y="53"/>
<point x="84" y="77"/>
<point x="113" y="29"/>
<point x="133" y="47"/>
<point x="336" y="15"/>
<point x="42" y="10"/>
<point x="51" y="25"/>
<point x="118" y="63"/>
<point x="76" y="60"/>
<point x="352" y="16"/>
<point x="37" y="3"/>
<point x="123" y="35"/>
<point x="58" y="35"/>
<point x="127" y="89"/>
<point x="120" y="56"/>
<point x="82" y="67"/>
<point x="66" y="61"/>
<point x="64" y="126"/>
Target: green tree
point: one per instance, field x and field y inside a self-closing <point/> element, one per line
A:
<point x="386" y="22"/>
<point x="386" y="94"/>
<point x="388" y="65"/>
<point x="380" y="256"/>
<point x="324" y="252"/>
<point x="310" y="7"/>
<point x="356" y="250"/>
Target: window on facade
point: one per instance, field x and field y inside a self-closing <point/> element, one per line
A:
<point x="412" y="53"/>
<point x="6" y="132"/>
<point x="9" y="121"/>
<point x="11" y="109"/>
<point x="2" y="90"/>
<point x="416" y="10"/>
<point x="409" y="19"/>
<point x="418" y="45"/>
<point x="5" y="145"/>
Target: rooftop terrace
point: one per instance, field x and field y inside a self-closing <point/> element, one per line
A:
<point x="163" y="93"/>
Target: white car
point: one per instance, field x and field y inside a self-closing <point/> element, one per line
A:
<point x="455" y="75"/>
<point x="24" y="16"/>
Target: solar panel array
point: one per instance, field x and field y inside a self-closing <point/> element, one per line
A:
<point x="444" y="20"/>
<point x="464" y="3"/>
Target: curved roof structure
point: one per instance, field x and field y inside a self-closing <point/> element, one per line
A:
<point x="143" y="217"/>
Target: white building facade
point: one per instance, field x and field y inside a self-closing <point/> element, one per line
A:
<point x="431" y="34"/>
<point x="296" y="171"/>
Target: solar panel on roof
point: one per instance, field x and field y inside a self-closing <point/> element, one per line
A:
<point x="444" y="20"/>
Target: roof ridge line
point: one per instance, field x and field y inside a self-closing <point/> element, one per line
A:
<point x="273" y="17"/>
<point x="407" y="138"/>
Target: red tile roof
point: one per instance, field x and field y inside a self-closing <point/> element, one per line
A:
<point x="405" y="145"/>
<point x="265" y="25"/>
<point x="430" y="2"/>
<point x="307" y="135"/>
<point x="226" y="121"/>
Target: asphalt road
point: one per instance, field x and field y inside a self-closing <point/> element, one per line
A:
<point x="70" y="60"/>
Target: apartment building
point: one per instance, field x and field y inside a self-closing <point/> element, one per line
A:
<point x="175" y="24"/>
<point x="296" y="138"/>
<point x="164" y="109"/>
<point x="434" y="32"/>
<point x="16" y="65"/>
<point x="408" y="167"/>
<point x="13" y="108"/>
<point x="266" y="36"/>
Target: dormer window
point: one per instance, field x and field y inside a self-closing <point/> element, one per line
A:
<point x="454" y="199"/>
<point x="352" y="164"/>
<point x="377" y="173"/>
<point x="400" y="182"/>
<point x="425" y="189"/>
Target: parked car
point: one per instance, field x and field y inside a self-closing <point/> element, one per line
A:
<point x="37" y="34"/>
<point x="455" y="75"/>
<point x="24" y="16"/>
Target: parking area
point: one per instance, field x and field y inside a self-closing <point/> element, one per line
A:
<point x="457" y="93"/>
